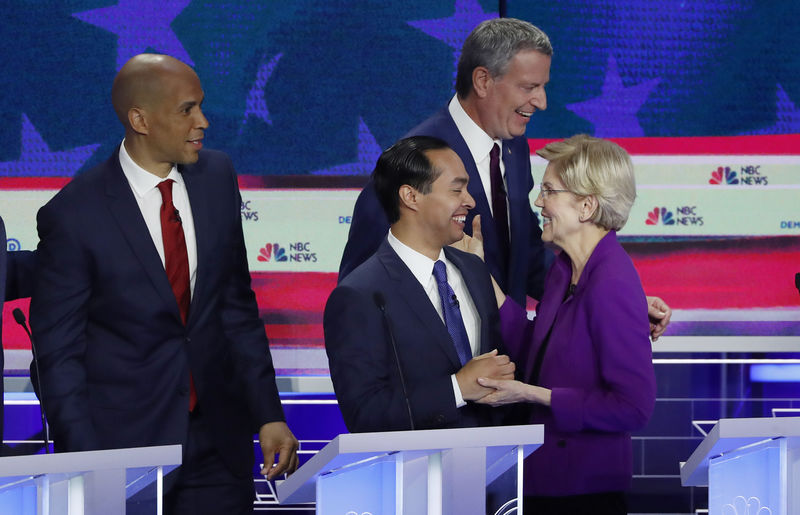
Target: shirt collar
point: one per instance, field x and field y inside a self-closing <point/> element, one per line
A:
<point x="478" y="142"/>
<point x="421" y="266"/>
<point x="140" y="180"/>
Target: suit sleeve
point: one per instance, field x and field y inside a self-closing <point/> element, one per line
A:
<point x="364" y="371"/>
<point x="20" y="276"/>
<point x="368" y="228"/>
<point x="625" y="399"/>
<point x="59" y="315"/>
<point x="244" y="329"/>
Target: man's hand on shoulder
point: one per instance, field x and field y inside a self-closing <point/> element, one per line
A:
<point x="276" y="438"/>
<point x="472" y="244"/>
<point x="659" y="314"/>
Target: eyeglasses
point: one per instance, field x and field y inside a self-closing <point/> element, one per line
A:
<point x="544" y="192"/>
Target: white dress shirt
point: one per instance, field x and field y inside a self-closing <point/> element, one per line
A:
<point x="480" y="145"/>
<point x="145" y="190"/>
<point x="421" y="267"/>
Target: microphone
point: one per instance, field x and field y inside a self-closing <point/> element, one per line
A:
<point x="176" y="216"/>
<point x="381" y="304"/>
<point x="797" y="281"/>
<point x="19" y="317"/>
<point x="454" y="299"/>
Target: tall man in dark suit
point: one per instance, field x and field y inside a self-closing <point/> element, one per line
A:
<point x="502" y="74"/>
<point x="416" y="307"/>
<point x="147" y="327"/>
<point x="16" y="281"/>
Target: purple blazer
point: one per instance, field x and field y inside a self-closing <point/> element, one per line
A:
<point x="599" y="367"/>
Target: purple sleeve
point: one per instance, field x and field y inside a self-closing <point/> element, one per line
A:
<point x="516" y="330"/>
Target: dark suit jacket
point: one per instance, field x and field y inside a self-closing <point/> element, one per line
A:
<point x="362" y="363"/>
<point x="527" y="265"/>
<point x="598" y="364"/>
<point x="16" y="281"/>
<point x="115" y="356"/>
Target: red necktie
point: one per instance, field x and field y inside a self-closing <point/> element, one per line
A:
<point x="176" y="260"/>
<point x="499" y="206"/>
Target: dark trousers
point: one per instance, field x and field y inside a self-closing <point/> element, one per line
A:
<point x="605" y="503"/>
<point x="203" y="484"/>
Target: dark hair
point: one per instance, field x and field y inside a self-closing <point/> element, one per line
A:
<point x="404" y="163"/>
<point x="493" y="44"/>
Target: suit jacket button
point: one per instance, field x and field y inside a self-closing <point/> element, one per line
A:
<point x="188" y="340"/>
<point x="561" y="443"/>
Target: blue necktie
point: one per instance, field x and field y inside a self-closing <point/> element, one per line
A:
<point x="452" y="314"/>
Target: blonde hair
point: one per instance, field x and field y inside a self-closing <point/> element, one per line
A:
<point x="593" y="166"/>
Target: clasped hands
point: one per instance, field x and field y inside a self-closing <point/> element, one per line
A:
<point x="489" y="365"/>
<point x="489" y="379"/>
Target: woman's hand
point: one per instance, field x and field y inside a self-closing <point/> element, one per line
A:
<point x="507" y="391"/>
<point x="472" y="244"/>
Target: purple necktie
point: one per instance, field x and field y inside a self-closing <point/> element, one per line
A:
<point x="452" y="314"/>
<point x="499" y="206"/>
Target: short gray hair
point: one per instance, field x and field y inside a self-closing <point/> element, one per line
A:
<point x="492" y="44"/>
<point x="594" y="166"/>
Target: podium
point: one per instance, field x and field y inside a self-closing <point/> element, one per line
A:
<point x="750" y="465"/>
<point x="437" y="471"/>
<point x="90" y="483"/>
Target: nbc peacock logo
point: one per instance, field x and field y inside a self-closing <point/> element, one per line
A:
<point x="272" y="252"/>
<point x="660" y="213"/>
<point x="723" y="175"/>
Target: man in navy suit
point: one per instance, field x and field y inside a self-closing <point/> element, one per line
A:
<point x="16" y="281"/>
<point x="502" y="73"/>
<point x="147" y="327"/>
<point x="389" y="327"/>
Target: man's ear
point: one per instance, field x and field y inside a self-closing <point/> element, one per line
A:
<point x="408" y="197"/>
<point x="481" y="81"/>
<point x="138" y="120"/>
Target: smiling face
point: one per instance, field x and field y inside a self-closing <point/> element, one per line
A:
<point x="443" y="211"/>
<point x="561" y="211"/>
<point x="175" y="121"/>
<point x="512" y="98"/>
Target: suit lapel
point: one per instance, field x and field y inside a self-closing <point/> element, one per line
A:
<point x="413" y="295"/>
<point x="202" y="231"/>
<point x="518" y="205"/>
<point x="128" y="216"/>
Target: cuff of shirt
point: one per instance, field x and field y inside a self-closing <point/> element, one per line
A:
<point x="457" y="392"/>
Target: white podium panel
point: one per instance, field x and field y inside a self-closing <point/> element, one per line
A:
<point x="439" y="471"/>
<point x="750" y="465"/>
<point x="83" y="483"/>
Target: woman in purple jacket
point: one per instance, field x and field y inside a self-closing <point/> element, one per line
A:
<point x="586" y="357"/>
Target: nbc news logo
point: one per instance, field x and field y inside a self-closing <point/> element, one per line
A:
<point x="298" y="252"/>
<point x="683" y="215"/>
<point x="747" y="176"/>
